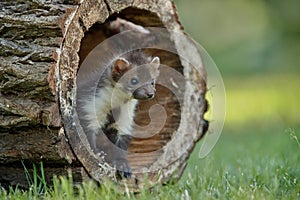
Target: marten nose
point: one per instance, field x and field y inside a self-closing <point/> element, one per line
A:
<point x="150" y="94"/>
<point x="148" y="91"/>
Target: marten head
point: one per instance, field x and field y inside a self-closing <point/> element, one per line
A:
<point x="136" y="74"/>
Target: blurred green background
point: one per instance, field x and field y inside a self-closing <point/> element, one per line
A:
<point x="256" y="46"/>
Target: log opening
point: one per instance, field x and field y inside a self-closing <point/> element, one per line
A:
<point x="143" y="151"/>
<point x="162" y="153"/>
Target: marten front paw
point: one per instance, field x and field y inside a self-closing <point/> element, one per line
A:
<point x="123" y="169"/>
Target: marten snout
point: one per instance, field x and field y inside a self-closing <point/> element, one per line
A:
<point x="144" y="92"/>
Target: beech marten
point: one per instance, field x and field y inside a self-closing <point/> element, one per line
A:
<point x="107" y="114"/>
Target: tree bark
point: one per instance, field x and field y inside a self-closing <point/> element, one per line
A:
<point x="30" y="123"/>
<point x="43" y="44"/>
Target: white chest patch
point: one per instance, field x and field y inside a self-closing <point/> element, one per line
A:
<point x="125" y="120"/>
<point x="97" y="108"/>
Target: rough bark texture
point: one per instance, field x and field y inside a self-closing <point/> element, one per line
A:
<point x="30" y="124"/>
<point x="42" y="46"/>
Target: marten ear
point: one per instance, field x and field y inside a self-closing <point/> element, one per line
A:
<point x="121" y="65"/>
<point x="155" y="62"/>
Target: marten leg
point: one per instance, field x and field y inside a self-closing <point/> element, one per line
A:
<point x="118" y="152"/>
<point x="124" y="169"/>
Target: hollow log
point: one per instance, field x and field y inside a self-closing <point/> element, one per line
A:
<point x="44" y="43"/>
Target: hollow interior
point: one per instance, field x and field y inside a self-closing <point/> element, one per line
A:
<point x="143" y="151"/>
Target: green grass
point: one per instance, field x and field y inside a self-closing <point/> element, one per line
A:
<point x="246" y="166"/>
<point x="251" y="166"/>
<point x="256" y="157"/>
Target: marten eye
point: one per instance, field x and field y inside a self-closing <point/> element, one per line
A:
<point x="134" y="81"/>
<point x="152" y="82"/>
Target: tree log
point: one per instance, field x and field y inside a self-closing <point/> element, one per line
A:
<point x="43" y="44"/>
